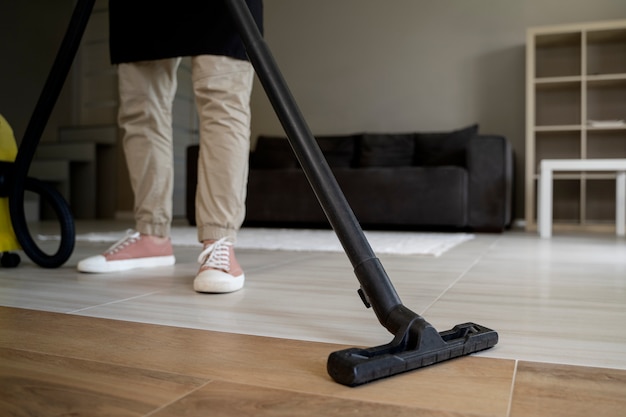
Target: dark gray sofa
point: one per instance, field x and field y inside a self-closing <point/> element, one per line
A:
<point x="459" y="180"/>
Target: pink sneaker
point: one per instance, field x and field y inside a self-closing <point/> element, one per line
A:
<point x="131" y="252"/>
<point x="219" y="270"/>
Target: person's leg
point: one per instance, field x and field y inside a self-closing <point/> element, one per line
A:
<point x="146" y="94"/>
<point x="222" y="87"/>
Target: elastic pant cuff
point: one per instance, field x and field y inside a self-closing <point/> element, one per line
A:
<point x="214" y="232"/>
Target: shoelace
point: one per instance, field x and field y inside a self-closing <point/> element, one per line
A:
<point x="130" y="238"/>
<point x="216" y="255"/>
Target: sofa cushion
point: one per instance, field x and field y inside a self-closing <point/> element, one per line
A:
<point x="339" y="151"/>
<point x="443" y="148"/>
<point x="401" y="197"/>
<point x="273" y="153"/>
<point x="386" y="150"/>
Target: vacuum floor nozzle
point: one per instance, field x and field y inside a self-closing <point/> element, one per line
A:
<point x="413" y="348"/>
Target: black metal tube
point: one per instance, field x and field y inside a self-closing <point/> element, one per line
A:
<point x="32" y="135"/>
<point x="369" y="272"/>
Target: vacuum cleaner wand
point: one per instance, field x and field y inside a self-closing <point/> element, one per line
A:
<point x="416" y="343"/>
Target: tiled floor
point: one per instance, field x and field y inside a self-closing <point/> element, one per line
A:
<point x="555" y="303"/>
<point x="559" y="300"/>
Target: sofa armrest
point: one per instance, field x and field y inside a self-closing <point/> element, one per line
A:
<point x="490" y="166"/>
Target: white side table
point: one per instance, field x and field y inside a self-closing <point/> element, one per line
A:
<point x="546" y="170"/>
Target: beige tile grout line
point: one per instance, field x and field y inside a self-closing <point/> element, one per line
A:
<point x="461" y="275"/>
<point x="121" y="300"/>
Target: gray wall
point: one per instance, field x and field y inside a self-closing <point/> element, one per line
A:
<point x="352" y="65"/>
<point x="407" y="65"/>
<point x="30" y="34"/>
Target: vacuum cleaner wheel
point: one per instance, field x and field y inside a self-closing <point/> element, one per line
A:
<point x="10" y="260"/>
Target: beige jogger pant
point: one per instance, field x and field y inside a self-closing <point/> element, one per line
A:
<point x="222" y="87"/>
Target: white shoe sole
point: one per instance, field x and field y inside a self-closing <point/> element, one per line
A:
<point x="98" y="264"/>
<point x="217" y="282"/>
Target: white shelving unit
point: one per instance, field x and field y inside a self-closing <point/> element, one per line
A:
<point x="575" y="109"/>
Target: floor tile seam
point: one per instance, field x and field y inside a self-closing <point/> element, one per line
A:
<point x="282" y="263"/>
<point x="181" y="397"/>
<point x="113" y="302"/>
<point x="462" y="275"/>
<point x="561" y="362"/>
<point x="449" y="287"/>
<point x="512" y="391"/>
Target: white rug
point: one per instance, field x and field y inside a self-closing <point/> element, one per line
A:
<point x="382" y="242"/>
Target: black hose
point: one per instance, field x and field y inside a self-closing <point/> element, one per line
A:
<point x="64" y="216"/>
<point x="32" y="135"/>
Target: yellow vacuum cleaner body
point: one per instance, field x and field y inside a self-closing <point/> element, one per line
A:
<point x="8" y="152"/>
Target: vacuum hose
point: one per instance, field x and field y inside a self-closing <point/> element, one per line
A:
<point x="19" y="182"/>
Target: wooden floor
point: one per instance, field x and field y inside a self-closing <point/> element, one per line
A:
<point x="58" y="364"/>
<point x="143" y="344"/>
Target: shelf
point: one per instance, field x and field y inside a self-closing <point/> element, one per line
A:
<point x="600" y="200"/>
<point x="587" y="227"/>
<point x="577" y="175"/>
<point x="558" y="83"/>
<point x="617" y="35"/>
<point x="558" y="105"/>
<point x="566" y="203"/>
<point x="606" y="80"/>
<point x="557" y="145"/>
<point x="547" y="82"/>
<point x="559" y="128"/>
<point x="606" y="143"/>
<point x="606" y="100"/>
<point x="576" y="73"/>
<point x="558" y="55"/>
<point x="570" y="38"/>
<point x="605" y="129"/>
<point x="606" y="51"/>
